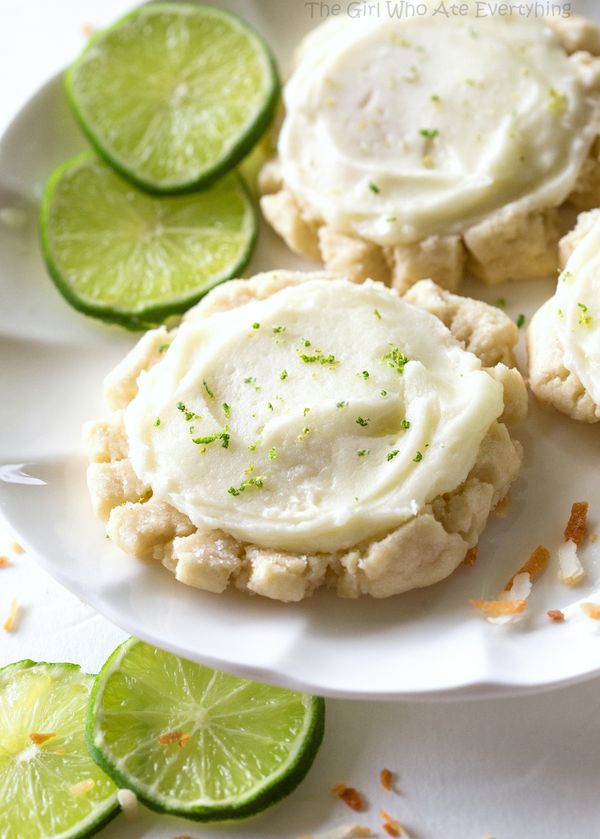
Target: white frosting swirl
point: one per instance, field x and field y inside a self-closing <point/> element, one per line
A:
<point x="325" y="434"/>
<point x="399" y="129"/>
<point x="577" y="312"/>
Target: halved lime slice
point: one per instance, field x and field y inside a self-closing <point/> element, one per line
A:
<point x="196" y="742"/>
<point x="174" y="94"/>
<point x="122" y="255"/>
<point x="50" y="788"/>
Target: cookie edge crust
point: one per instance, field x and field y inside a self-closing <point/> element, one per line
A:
<point x="432" y="544"/>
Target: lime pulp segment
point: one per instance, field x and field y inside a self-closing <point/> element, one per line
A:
<point x="49" y="786"/>
<point x="122" y="255"/>
<point x="196" y="742"/>
<point x="174" y="94"/>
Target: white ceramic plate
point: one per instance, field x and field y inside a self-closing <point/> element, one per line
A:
<point x="429" y="643"/>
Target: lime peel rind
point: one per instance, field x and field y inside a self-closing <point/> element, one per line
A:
<point x="101" y="813"/>
<point x="238" y="148"/>
<point x="142" y="312"/>
<point x="266" y="793"/>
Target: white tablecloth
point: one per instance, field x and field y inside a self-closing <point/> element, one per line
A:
<point x="524" y="768"/>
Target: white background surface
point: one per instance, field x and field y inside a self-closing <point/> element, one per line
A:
<point x="510" y="769"/>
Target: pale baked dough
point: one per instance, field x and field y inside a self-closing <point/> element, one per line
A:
<point x="549" y="378"/>
<point x="422" y="551"/>
<point x="509" y="245"/>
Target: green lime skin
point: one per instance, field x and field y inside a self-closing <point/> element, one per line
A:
<point x="39" y="778"/>
<point x="126" y="257"/>
<point x="194" y="742"/>
<point x="174" y="95"/>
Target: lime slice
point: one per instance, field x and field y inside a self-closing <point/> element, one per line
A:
<point x="125" y="256"/>
<point x="50" y="788"/>
<point x="174" y="94"/>
<point x="194" y="742"/>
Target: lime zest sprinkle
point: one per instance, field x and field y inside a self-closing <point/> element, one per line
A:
<point x="283" y="375"/>
<point x="278" y="329"/>
<point x="435" y="98"/>
<point x="566" y="277"/>
<point x="249" y="470"/>
<point x="429" y="133"/>
<point x="558" y="100"/>
<point x="164" y="347"/>
<point x="305" y="342"/>
<point x="305" y="412"/>
<point x="364" y="374"/>
<point x="585" y="319"/>
<point x="418" y="457"/>
<point x="383" y="393"/>
<point x="374" y="188"/>
<point x="520" y="321"/>
<point x="405" y="423"/>
<point x="393" y="454"/>
<point x="303" y="435"/>
<point x="256" y="325"/>
<point x="189" y="415"/>
<point x="362" y="421"/>
<point x="560" y="313"/>
<point x="396" y="360"/>
<point x="224" y="436"/>
<point x="391" y="219"/>
<point x="273" y="453"/>
<point x="251" y="482"/>
<point x="157" y="422"/>
<point x="253" y="446"/>
<point x="318" y="358"/>
<point x="208" y="390"/>
<point x="501" y="302"/>
<point x="342" y="404"/>
<point x="363" y="452"/>
<point x="226" y="409"/>
<point x="377" y="314"/>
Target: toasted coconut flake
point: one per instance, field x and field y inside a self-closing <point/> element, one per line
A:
<point x="576" y="529"/>
<point x="128" y="802"/>
<point x="349" y="796"/>
<point x="535" y="565"/>
<point x="520" y="588"/>
<point x="12" y="619"/>
<point x="83" y="787"/>
<point x="470" y="557"/>
<point x="501" y="508"/>
<point x="183" y="740"/>
<point x="593" y="537"/>
<point x="592" y="610"/>
<point x="17" y="549"/>
<point x="386" y="777"/>
<point x="4" y="560"/>
<point x="392" y="826"/>
<point x="500" y="608"/>
<point x="342" y="832"/>
<point x="40" y="737"/>
<point x="571" y="569"/>
<point x="556" y="615"/>
<point x="170" y="737"/>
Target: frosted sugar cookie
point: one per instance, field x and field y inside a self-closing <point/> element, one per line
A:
<point x="423" y="147"/>
<point x="299" y="430"/>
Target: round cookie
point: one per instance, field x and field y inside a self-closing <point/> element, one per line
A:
<point x="298" y="430"/>
<point x="426" y="147"/>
